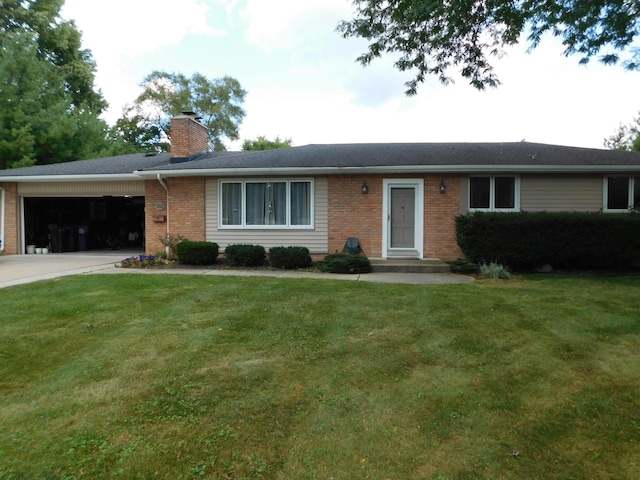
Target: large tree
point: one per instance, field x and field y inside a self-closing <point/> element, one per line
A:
<point x="217" y="101"/>
<point x="432" y="37"/>
<point x="627" y="137"/>
<point x="263" y="143"/>
<point x="49" y="110"/>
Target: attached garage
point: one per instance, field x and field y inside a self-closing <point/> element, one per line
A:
<point x="81" y="216"/>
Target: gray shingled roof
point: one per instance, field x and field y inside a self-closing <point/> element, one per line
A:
<point x="414" y="154"/>
<point x="455" y="156"/>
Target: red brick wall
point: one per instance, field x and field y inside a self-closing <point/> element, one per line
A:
<point x="188" y="136"/>
<point x="184" y="213"/>
<point x="11" y="218"/>
<point x="353" y="214"/>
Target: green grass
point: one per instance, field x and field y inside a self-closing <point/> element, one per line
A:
<point x="176" y="376"/>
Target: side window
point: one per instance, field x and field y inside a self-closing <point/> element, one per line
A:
<point x="621" y="193"/>
<point x="494" y="193"/>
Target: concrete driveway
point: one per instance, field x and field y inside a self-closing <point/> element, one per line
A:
<point x="21" y="269"/>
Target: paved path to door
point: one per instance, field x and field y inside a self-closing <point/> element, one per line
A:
<point x="21" y="269"/>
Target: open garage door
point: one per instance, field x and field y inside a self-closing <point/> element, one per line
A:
<point x="82" y="216"/>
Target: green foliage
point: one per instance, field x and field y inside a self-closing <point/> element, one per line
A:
<point x="170" y="241"/>
<point x="290" y="257"/>
<point x="262" y="143"/>
<point x="525" y="240"/>
<point x="464" y="266"/>
<point x="50" y="111"/>
<point x="433" y="37"/>
<point x="626" y="138"/>
<point x="246" y="255"/>
<point x="494" y="270"/>
<point x="345" y="263"/>
<point x="217" y="102"/>
<point x="197" y="253"/>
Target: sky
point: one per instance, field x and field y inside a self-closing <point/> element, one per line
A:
<point x="303" y="82"/>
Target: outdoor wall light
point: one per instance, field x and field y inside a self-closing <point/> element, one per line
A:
<point x="443" y="186"/>
<point x="365" y="188"/>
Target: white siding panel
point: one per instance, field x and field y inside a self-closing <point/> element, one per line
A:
<point x="316" y="240"/>
<point x="81" y="189"/>
<point x="561" y="193"/>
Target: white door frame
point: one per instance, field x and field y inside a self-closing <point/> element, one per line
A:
<point x="418" y="185"/>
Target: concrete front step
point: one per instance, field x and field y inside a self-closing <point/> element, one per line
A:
<point x="426" y="265"/>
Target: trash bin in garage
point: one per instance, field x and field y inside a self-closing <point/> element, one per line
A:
<point x="83" y="237"/>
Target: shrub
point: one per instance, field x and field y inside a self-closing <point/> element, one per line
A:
<point x="246" y="255"/>
<point x="494" y="270"/>
<point x="525" y="240"/>
<point x="197" y="253"/>
<point x="290" y="257"/>
<point x="345" y="263"/>
<point x="464" y="266"/>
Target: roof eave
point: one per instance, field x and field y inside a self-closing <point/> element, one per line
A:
<point x="439" y="169"/>
<point x="69" y="178"/>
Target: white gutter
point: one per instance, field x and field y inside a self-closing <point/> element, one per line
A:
<point x="222" y="172"/>
<point x="68" y="178"/>
<point x="2" y="218"/>
<point x="167" y="230"/>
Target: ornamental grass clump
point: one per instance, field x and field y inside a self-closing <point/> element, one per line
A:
<point x="494" y="270"/>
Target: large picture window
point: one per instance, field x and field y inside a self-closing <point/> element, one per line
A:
<point x="622" y="193"/>
<point x="260" y="204"/>
<point x="492" y="193"/>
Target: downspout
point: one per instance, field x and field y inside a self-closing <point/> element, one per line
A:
<point x="167" y="229"/>
<point x="2" y="218"/>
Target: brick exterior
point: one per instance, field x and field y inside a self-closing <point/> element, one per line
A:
<point x="11" y="218"/>
<point x="184" y="212"/>
<point x="188" y="136"/>
<point x="353" y="214"/>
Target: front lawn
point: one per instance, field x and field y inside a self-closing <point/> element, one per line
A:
<point x="180" y="376"/>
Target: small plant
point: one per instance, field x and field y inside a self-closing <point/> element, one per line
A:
<point x="140" y="261"/>
<point x="246" y="255"/>
<point x="170" y="241"/>
<point x="494" y="270"/>
<point x="197" y="253"/>
<point x="345" y="263"/>
<point x="290" y="257"/>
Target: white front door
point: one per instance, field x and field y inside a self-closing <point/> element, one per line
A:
<point x="403" y="218"/>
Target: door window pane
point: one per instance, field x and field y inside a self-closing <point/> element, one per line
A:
<point x="505" y="194"/>
<point x="480" y="192"/>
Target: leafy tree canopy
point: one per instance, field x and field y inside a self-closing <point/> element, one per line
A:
<point x="433" y="36"/>
<point x="262" y="143"/>
<point x="48" y="108"/>
<point x="145" y="123"/>
<point x="627" y="137"/>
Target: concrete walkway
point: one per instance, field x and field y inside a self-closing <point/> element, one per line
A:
<point x="22" y="269"/>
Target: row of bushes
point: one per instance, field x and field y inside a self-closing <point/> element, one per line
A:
<point x="525" y="240"/>
<point x="206" y="253"/>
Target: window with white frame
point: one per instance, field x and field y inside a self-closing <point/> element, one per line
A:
<point x="621" y="193"/>
<point x="266" y="204"/>
<point x="494" y="193"/>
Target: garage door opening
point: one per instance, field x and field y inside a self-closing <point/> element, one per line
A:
<point x="80" y="224"/>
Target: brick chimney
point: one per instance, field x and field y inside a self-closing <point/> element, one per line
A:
<point x="188" y="137"/>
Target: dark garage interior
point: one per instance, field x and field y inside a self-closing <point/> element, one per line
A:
<point x="82" y="224"/>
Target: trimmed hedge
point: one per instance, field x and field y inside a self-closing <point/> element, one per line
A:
<point x="290" y="257"/>
<point x="345" y="263"/>
<point x="525" y="240"/>
<point x="197" y="253"/>
<point x="246" y="255"/>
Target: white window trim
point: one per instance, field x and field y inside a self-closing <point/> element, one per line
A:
<point x="492" y="194"/>
<point x="288" y="226"/>
<point x="605" y="194"/>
